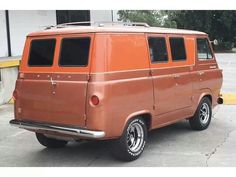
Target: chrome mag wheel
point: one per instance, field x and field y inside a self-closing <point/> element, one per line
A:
<point x="202" y="117"/>
<point x="135" y="137"/>
<point x="204" y="113"/>
<point x="132" y="142"/>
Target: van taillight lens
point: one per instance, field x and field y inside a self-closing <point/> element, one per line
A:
<point x="15" y="95"/>
<point x="94" y="100"/>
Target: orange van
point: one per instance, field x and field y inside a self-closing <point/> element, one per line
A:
<point x="114" y="81"/>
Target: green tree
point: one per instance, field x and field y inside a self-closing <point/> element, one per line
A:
<point x="151" y="17"/>
<point x="220" y="25"/>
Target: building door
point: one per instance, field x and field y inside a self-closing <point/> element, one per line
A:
<point x="66" y="16"/>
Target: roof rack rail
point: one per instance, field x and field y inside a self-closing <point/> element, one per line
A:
<point x="99" y="24"/>
<point x="123" y="23"/>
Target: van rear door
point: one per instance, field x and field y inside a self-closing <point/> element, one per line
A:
<point x="52" y="84"/>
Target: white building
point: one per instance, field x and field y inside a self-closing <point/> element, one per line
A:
<point x="16" y="24"/>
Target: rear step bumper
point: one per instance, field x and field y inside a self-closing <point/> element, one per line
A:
<point x="59" y="129"/>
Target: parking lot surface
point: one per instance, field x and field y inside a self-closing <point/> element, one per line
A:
<point x="175" y="145"/>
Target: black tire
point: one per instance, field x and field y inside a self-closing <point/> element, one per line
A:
<point x="198" y="121"/>
<point x="50" y="142"/>
<point x="124" y="147"/>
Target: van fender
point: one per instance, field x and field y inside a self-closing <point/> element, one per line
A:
<point x="204" y="92"/>
<point x="136" y="114"/>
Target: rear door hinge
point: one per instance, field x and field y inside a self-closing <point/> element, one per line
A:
<point x="150" y="73"/>
<point x="88" y="77"/>
<point x="85" y="117"/>
<point x="154" y="107"/>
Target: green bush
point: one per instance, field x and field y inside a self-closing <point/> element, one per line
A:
<point x="224" y="46"/>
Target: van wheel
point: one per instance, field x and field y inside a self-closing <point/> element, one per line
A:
<point x="132" y="142"/>
<point x="50" y="142"/>
<point x="202" y="116"/>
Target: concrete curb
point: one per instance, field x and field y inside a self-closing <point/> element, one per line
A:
<point x="229" y="98"/>
<point x="11" y="101"/>
<point x="9" y="63"/>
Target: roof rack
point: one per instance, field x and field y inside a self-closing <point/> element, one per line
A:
<point x="98" y="24"/>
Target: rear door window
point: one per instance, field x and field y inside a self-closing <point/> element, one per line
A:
<point x="177" y="48"/>
<point x="74" y="52"/>
<point x="157" y="49"/>
<point x="41" y="52"/>
<point x="203" y="49"/>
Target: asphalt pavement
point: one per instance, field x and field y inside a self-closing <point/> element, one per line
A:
<point x="174" y="145"/>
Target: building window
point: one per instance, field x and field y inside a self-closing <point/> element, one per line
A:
<point x="157" y="49"/>
<point x="42" y="52"/>
<point x="203" y="49"/>
<point x="177" y="48"/>
<point x="66" y="16"/>
<point x="75" y="52"/>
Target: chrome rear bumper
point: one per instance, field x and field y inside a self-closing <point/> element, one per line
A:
<point x="34" y="126"/>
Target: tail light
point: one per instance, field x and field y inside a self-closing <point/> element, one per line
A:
<point x="95" y="100"/>
<point x="15" y="95"/>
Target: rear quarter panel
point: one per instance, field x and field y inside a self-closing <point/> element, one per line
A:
<point x="124" y="87"/>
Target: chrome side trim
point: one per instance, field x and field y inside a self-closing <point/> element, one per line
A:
<point x="59" y="129"/>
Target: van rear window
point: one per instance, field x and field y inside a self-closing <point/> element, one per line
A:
<point x="74" y="52"/>
<point x="41" y="52"/>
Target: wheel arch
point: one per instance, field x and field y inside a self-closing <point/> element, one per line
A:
<point x="205" y="93"/>
<point x="144" y="114"/>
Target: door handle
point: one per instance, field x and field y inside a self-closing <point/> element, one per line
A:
<point x="53" y="82"/>
<point x="201" y="73"/>
<point x="176" y="76"/>
<point x="212" y="67"/>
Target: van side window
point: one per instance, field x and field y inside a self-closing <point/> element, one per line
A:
<point x="177" y="48"/>
<point x="157" y="49"/>
<point x="74" y="51"/>
<point x="203" y="49"/>
<point x="41" y="52"/>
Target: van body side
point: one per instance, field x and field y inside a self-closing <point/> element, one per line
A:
<point x="114" y="83"/>
<point x="119" y="68"/>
